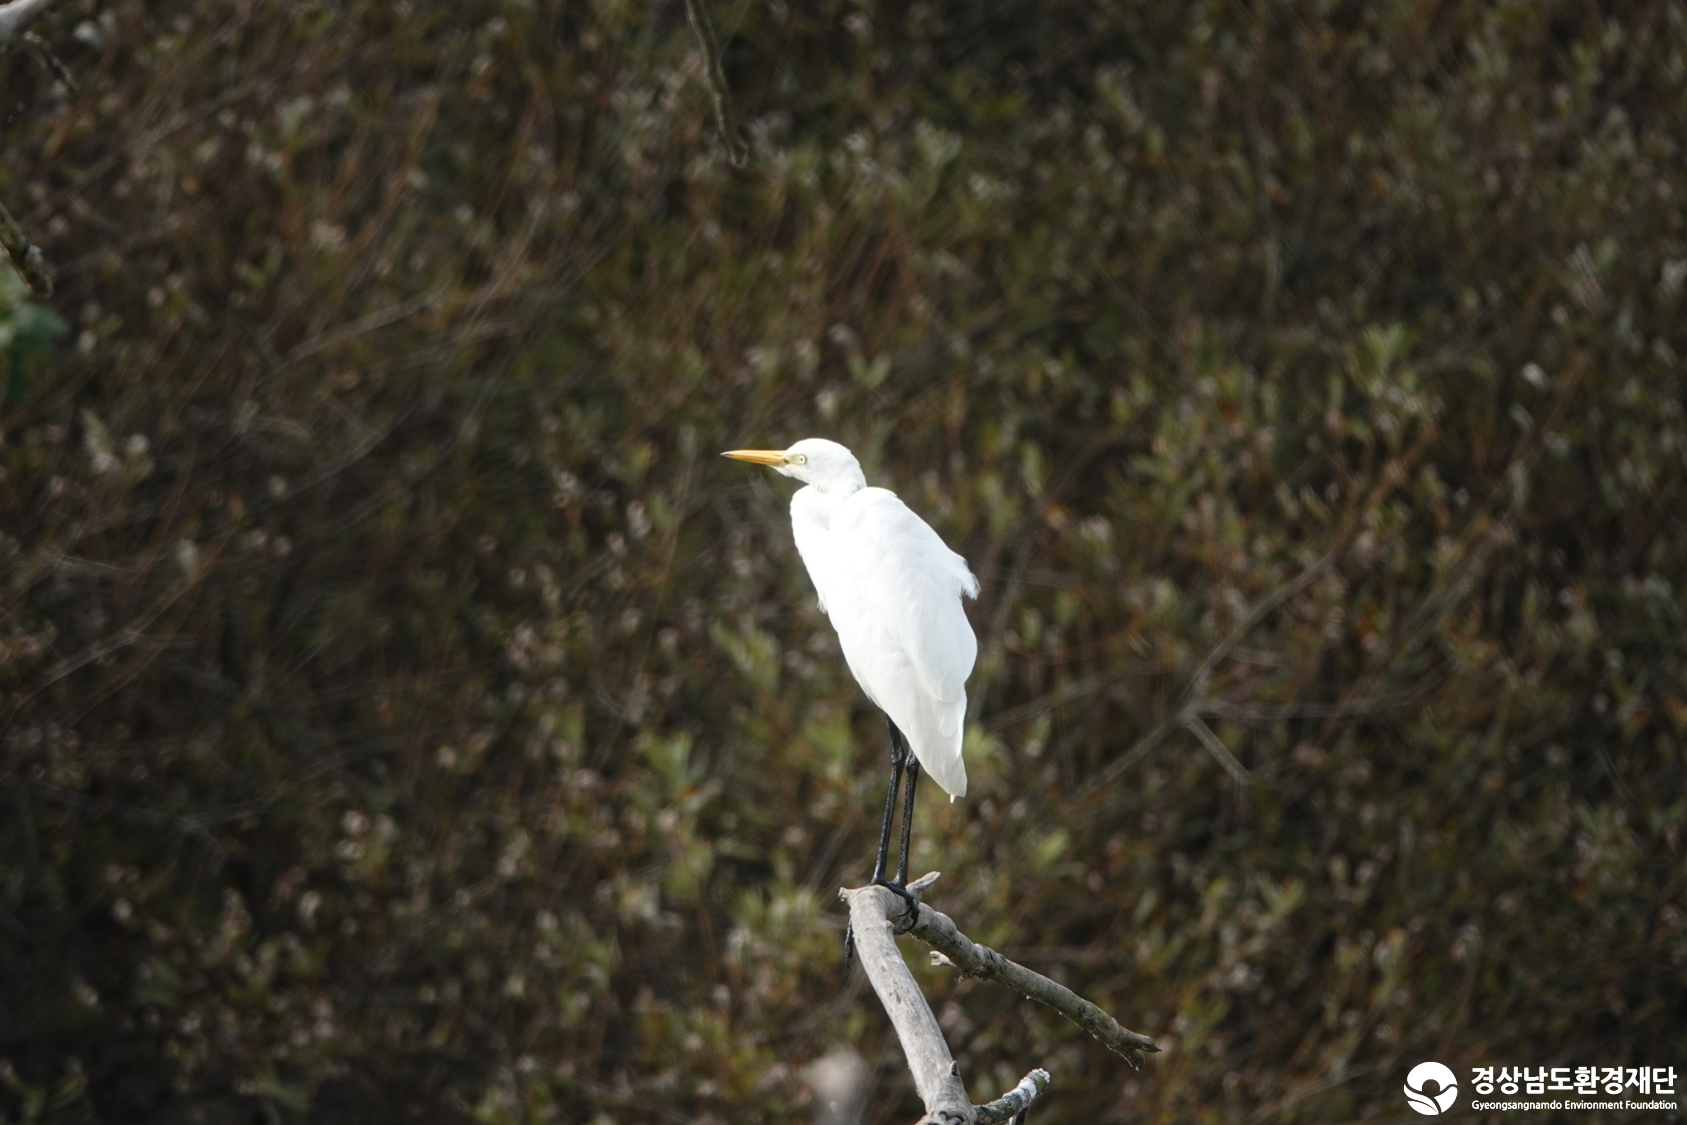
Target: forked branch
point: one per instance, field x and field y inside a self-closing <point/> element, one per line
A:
<point x="876" y="915"/>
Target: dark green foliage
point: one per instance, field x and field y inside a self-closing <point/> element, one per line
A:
<point x="409" y="716"/>
<point x="27" y="332"/>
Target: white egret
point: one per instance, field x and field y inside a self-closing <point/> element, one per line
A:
<point x="893" y="592"/>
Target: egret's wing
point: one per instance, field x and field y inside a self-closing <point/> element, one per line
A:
<point x="913" y="583"/>
<point x="896" y="603"/>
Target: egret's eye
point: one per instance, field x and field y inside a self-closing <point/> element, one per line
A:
<point x="801" y="458"/>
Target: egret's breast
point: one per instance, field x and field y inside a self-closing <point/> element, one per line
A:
<point x="811" y="525"/>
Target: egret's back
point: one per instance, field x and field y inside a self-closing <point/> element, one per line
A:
<point x="893" y="591"/>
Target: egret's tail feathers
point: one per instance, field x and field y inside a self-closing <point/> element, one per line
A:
<point x="935" y="737"/>
<point x="951" y="778"/>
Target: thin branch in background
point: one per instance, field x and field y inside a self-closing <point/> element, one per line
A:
<point x="1073" y="692"/>
<point x="38" y="47"/>
<point x="1194" y="702"/>
<point x="1264" y="715"/>
<point x="725" y="123"/>
<point x="16" y="16"/>
<point x="1215" y="746"/>
<point x="25" y="256"/>
<point x="15" y="19"/>
<point x="1203" y="675"/>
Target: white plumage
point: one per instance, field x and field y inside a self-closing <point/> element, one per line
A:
<point x="893" y="591"/>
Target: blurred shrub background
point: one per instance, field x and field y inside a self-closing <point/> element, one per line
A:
<point x="408" y="716"/>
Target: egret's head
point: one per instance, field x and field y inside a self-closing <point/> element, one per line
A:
<point x="826" y="465"/>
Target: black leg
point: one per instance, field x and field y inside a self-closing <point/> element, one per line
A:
<point x="898" y="756"/>
<point x="913" y="771"/>
<point x="899" y="759"/>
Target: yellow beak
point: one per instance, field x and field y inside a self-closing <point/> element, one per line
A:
<point x="757" y="456"/>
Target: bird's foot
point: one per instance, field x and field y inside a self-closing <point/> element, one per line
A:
<point x="907" y="896"/>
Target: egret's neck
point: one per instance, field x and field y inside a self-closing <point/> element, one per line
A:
<point x="841" y="485"/>
<point x="813" y="508"/>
